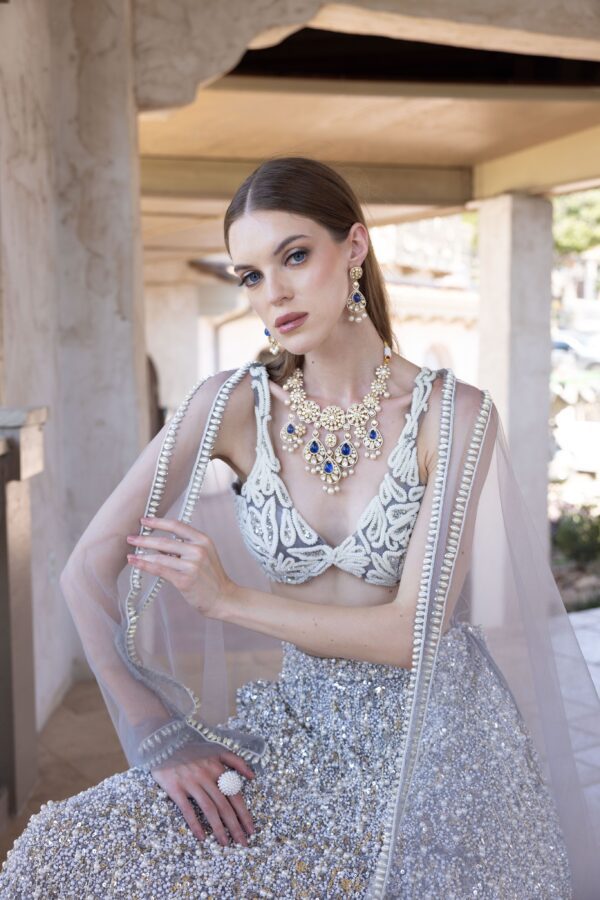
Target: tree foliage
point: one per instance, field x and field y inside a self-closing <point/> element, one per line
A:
<point x="576" y="225"/>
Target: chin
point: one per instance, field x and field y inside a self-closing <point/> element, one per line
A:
<point x="304" y="341"/>
<point x="299" y="345"/>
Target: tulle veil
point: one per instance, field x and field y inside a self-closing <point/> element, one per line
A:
<point x="169" y="675"/>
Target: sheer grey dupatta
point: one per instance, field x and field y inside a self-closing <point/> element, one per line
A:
<point x="475" y="557"/>
<point x="167" y="673"/>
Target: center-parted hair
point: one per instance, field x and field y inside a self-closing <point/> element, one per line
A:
<point x="307" y="187"/>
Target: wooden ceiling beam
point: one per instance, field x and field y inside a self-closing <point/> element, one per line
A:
<point x="217" y="179"/>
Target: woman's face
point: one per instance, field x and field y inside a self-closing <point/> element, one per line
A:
<point x="291" y="268"/>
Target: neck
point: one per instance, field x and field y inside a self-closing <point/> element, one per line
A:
<point x="342" y="368"/>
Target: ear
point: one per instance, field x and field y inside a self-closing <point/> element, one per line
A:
<point x="358" y="244"/>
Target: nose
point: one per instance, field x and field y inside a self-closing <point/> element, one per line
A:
<point x="277" y="288"/>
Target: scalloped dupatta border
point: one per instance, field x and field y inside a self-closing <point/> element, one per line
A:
<point x="158" y="746"/>
<point x="431" y="605"/>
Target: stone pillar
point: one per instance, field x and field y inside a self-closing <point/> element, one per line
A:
<point x="102" y="346"/>
<point x="515" y="247"/>
<point x="70" y="280"/>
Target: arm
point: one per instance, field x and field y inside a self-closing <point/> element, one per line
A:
<point x="90" y="584"/>
<point x="89" y="579"/>
<point x="380" y="634"/>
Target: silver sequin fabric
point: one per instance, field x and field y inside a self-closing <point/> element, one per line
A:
<point x="479" y="822"/>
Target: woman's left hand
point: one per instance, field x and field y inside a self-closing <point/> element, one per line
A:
<point x="189" y="561"/>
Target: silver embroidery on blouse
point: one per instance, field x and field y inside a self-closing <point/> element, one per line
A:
<point x="288" y="548"/>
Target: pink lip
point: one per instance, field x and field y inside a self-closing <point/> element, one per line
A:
<point x="290" y="324"/>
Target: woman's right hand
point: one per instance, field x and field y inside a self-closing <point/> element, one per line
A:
<point x="198" y="779"/>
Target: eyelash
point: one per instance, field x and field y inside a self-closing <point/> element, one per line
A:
<point x="243" y="283"/>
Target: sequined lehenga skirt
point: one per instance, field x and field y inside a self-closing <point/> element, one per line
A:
<point x="480" y="821"/>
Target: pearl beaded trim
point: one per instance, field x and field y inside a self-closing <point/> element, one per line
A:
<point x="168" y="738"/>
<point x="430" y="610"/>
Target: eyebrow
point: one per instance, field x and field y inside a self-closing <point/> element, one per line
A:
<point x="278" y="249"/>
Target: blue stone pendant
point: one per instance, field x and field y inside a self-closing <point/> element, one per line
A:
<point x="314" y="453"/>
<point x="373" y="441"/>
<point x="291" y="435"/>
<point x="346" y="456"/>
<point x="330" y="475"/>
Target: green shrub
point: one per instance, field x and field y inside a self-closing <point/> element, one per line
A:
<point x="577" y="535"/>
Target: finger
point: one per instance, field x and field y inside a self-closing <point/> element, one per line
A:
<point x="169" y="564"/>
<point x="226" y="811"/>
<point x="166" y="545"/>
<point x="236" y="762"/>
<point x="210" y="810"/>
<point x="189" y="814"/>
<point x="242" y="812"/>
<point x="176" y="527"/>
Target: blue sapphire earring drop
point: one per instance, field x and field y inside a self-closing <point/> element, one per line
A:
<point x="356" y="302"/>
<point x="274" y="347"/>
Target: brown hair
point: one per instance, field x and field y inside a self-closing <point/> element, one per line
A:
<point x="297" y="184"/>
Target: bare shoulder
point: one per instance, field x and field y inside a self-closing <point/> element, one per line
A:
<point x="466" y="403"/>
<point x="235" y="438"/>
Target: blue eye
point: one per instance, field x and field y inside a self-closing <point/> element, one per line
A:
<point x="244" y="281"/>
<point x="248" y="281"/>
<point x="296" y="252"/>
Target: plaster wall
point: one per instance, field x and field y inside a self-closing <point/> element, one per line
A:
<point x="241" y="340"/>
<point x="183" y="314"/>
<point x="437" y="343"/>
<point x="171" y="336"/>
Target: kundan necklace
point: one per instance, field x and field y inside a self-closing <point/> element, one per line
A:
<point x="329" y="459"/>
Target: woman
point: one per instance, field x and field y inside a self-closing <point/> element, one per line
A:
<point x="349" y="672"/>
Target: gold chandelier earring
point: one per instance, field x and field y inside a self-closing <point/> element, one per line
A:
<point x="274" y="347"/>
<point x="356" y="302"/>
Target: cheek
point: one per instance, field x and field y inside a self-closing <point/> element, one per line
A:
<point x="258" y="308"/>
<point x="325" y="278"/>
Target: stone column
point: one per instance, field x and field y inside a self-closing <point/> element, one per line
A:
<point x="515" y="247"/>
<point x="70" y="280"/>
<point x="102" y="347"/>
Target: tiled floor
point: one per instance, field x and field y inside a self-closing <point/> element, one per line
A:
<point x="78" y="747"/>
<point x="587" y="630"/>
<point x="586" y="625"/>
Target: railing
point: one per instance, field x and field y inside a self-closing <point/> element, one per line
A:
<point x="21" y="457"/>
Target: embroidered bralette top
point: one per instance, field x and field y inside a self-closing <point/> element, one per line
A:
<point x="288" y="549"/>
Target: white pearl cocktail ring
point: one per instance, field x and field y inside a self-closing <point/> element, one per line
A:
<point x="229" y="783"/>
